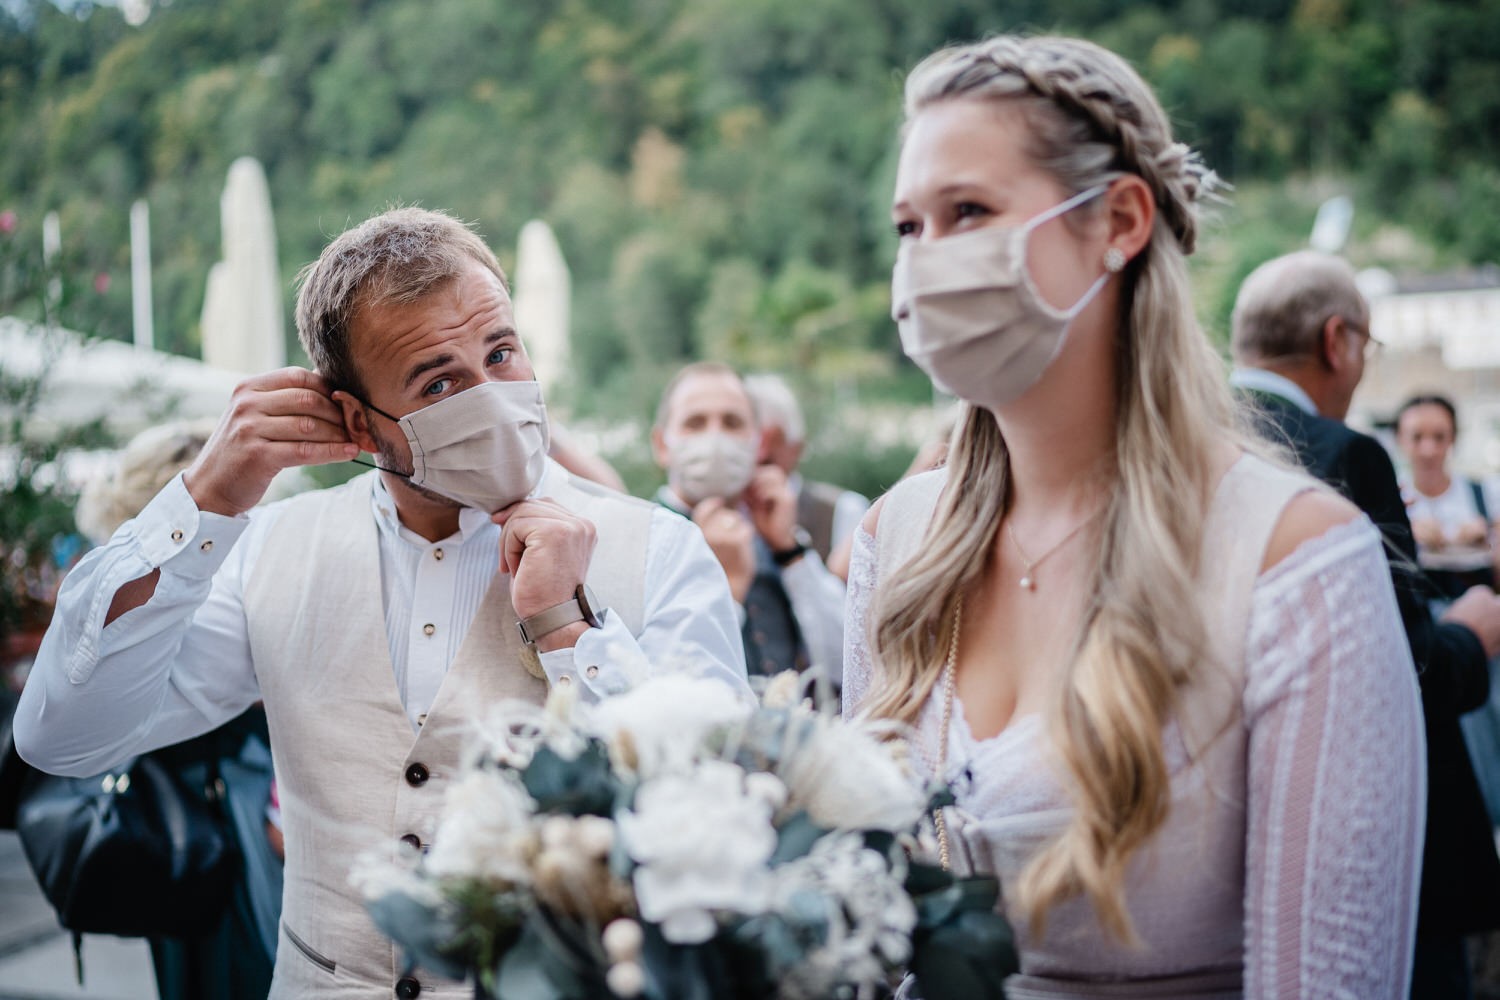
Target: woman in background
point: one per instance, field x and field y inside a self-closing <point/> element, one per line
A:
<point x="1165" y="675"/>
<point x="1449" y="517"/>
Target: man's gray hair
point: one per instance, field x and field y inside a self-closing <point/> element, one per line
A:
<point x="1283" y="305"/>
<point x="395" y="258"/>
<point x="776" y="406"/>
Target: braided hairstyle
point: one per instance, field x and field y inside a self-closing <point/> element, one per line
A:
<point x="1089" y="119"/>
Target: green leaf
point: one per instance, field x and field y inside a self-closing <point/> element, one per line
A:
<point x="795" y="838"/>
<point x="579" y="787"/>
<point x="962" y="949"/>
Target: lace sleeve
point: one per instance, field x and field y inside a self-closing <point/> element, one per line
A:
<point x="1337" y="782"/>
<point x="858" y="669"/>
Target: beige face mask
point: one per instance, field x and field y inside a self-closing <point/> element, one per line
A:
<point x="710" y="464"/>
<point x="485" y="447"/>
<point x="970" y="316"/>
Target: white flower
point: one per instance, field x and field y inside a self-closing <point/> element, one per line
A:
<point x="869" y="915"/>
<point x="846" y="779"/>
<point x="511" y="732"/>
<point x="669" y="718"/>
<point x="486" y="831"/>
<point x="702" y="844"/>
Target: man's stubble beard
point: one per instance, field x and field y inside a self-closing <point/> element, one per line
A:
<point x="388" y="457"/>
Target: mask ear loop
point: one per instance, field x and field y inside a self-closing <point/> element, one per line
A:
<point x="1060" y="209"/>
<point x="394" y="420"/>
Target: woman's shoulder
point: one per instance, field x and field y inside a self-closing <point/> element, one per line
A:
<point x="922" y="489"/>
<point x="1303" y="508"/>
<point x="1308" y="515"/>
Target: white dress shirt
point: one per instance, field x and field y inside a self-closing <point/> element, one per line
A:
<point x="96" y="695"/>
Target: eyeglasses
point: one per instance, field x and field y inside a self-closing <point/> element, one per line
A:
<point x="1372" y="345"/>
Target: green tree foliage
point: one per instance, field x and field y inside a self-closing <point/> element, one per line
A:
<point x="717" y="170"/>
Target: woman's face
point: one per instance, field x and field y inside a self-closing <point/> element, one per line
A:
<point x="963" y="167"/>
<point x="1425" y="434"/>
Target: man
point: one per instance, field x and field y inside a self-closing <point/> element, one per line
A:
<point x="373" y="619"/>
<point x="1301" y="333"/>
<point x="708" y="440"/>
<point x="829" y="513"/>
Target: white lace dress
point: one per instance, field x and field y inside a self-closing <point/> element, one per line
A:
<point x="1289" y="866"/>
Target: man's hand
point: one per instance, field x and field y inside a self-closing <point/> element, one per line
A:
<point x="274" y="421"/>
<point x="733" y="542"/>
<point x="1479" y="611"/>
<point x="1428" y="533"/>
<point x="1472" y="532"/>
<point x="546" y="550"/>
<point x="773" y="508"/>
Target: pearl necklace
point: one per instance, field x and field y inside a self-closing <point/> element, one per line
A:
<point x="1028" y="578"/>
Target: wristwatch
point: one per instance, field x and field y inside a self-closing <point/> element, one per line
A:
<point x="582" y="607"/>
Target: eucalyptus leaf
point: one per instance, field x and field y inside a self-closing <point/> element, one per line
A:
<point x="795" y="837"/>
<point x="582" y="786"/>
<point x="426" y="933"/>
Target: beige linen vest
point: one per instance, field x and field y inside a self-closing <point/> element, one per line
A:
<point x="351" y="774"/>
<point x="1185" y="888"/>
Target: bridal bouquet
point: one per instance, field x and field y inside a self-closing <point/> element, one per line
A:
<point x="675" y="842"/>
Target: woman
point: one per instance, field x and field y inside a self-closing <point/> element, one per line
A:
<point x="1165" y="674"/>
<point x="1448" y="513"/>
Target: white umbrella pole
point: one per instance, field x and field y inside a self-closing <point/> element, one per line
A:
<point x="140" y="273"/>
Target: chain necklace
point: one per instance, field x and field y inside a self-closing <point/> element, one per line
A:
<point x="1028" y="578"/>
<point x="945" y="855"/>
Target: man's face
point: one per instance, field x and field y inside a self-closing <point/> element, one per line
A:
<point x="701" y="404"/>
<point x="414" y="355"/>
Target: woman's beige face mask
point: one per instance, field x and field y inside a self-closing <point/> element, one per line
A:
<point x="970" y="315"/>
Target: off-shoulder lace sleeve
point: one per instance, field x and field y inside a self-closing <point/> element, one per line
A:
<point x="858" y="670"/>
<point x="1337" y="783"/>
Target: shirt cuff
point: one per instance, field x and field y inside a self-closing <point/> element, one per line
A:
<point x="599" y="663"/>
<point x="175" y="535"/>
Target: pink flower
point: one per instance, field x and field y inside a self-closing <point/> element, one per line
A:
<point x="7" y="221"/>
<point x="101" y="282"/>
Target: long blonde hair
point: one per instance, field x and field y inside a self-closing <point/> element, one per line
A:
<point x="1090" y="120"/>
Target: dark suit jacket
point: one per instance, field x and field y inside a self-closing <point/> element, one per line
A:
<point x="1460" y="871"/>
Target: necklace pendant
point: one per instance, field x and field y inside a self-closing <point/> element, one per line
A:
<point x="1027" y="583"/>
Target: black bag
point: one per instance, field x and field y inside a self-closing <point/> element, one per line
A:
<point x="138" y="852"/>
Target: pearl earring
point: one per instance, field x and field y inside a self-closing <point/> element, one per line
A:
<point x="1114" y="260"/>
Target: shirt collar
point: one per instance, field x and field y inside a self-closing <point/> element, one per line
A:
<point x="1260" y="380"/>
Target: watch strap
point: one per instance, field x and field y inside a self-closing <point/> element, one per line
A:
<point x="785" y="557"/>
<point x="576" y="609"/>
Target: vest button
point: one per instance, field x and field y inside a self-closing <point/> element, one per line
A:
<point x="408" y="988"/>
<point x="417" y="775"/>
<point x="415" y="843"/>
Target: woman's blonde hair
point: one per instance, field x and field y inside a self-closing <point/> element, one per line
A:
<point x="1090" y="119"/>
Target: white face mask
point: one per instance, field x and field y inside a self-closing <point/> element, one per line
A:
<point x="970" y="316"/>
<point x="711" y="464"/>
<point x="484" y="447"/>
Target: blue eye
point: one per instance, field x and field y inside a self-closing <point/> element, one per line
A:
<point x="437" y="388"/>
<point x="499" y="355"/>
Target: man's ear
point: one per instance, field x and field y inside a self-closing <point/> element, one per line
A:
<point x="1331" y="353"/>
<point x="771" y="440"/>
<point x="659" y="450"/>
<point x="356" y="421"/>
